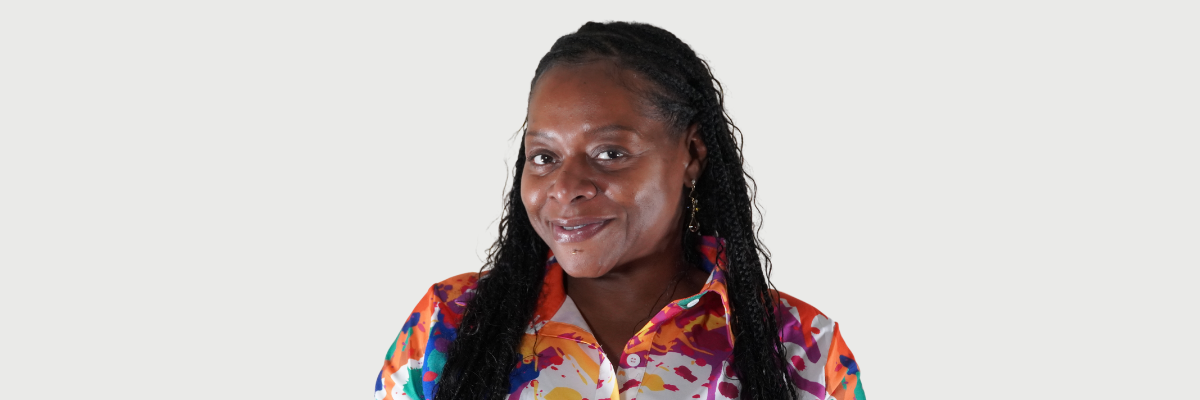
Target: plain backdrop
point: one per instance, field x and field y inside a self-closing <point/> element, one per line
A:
<point x="245" y="199"/>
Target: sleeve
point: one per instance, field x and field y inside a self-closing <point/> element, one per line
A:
<point x="843" y="380"/>
<point x="402" y="375"/>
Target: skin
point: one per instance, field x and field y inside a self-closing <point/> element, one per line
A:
<point x="594" y="154"/>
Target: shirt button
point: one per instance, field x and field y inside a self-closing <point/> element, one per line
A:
<point x="693" y="303"/>
<point x="633" y="360"/>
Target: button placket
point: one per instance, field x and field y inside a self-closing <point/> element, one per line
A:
<point x="637" y="370"/>
<point x="638" y="361"/>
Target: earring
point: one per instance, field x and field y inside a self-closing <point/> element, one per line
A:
<point x="694" y="226"/>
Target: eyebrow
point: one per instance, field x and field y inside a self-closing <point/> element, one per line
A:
<point x="606" y="130"/>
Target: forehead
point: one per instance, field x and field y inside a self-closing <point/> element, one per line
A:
<point x="575" y="97"/>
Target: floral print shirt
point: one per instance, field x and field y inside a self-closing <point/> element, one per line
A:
<point x="684" y="352"/>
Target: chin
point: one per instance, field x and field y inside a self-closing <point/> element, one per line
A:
<point x="582" y="267"/>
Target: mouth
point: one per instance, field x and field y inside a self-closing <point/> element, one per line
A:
<point x="578" y="229"/>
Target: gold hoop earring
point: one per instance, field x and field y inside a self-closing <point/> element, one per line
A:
<point x="694" y="226"/>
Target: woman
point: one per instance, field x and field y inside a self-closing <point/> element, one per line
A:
<point x="627" y="264"/>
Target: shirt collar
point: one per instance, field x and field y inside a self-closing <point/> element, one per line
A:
<point x="713" y="260"/>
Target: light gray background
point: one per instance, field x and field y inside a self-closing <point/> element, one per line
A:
<point x="244" y="199"/>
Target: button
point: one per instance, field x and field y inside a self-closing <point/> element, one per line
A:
<point x="633" y="360"/>
<point x="693" y="303"/>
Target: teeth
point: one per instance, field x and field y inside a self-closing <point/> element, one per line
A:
<point x="571" y="228"/>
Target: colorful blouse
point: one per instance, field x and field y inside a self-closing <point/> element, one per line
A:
<point x="684" y="352"/>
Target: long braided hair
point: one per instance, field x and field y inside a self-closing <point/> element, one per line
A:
<point x="683" y="92"/>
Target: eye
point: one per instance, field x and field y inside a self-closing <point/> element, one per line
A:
<point x="541" y="159"/>
<point x="610" y="155"/>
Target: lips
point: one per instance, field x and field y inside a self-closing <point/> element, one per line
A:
<point x="578" y="229"/>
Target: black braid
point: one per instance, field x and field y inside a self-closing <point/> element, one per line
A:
<point x="493" y="324"/>
<point x="684" y="92"/>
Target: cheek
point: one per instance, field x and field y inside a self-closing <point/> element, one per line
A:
<point x="656" y="205"/>
<point x="532" y="196"/>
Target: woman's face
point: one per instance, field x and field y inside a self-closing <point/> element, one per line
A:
<point x="603" y="181"/>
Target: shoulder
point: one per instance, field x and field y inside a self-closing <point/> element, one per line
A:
<point x="423" y="340"/>
<point x="816" y="353"/>
<point x="798" y="318"/>
<point x="455" y="289"/>
<point x="438" y="312"/>
<point x="446" y="300"/>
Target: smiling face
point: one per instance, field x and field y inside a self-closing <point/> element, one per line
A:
<point x="604" y="180"/>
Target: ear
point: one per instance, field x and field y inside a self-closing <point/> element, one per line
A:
<point x="697" y="153"/>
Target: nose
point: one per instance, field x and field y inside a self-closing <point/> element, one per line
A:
<point x="573" y="181"/>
